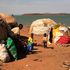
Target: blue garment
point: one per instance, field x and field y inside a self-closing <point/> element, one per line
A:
<point x="29" y="47"/>
<point x="30" y="44"/>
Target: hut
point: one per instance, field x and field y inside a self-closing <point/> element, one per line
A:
<point x="41" y="26"/>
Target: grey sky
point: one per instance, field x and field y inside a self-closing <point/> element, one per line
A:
<point x="34" y="6"/>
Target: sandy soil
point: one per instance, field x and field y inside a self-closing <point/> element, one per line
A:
<point x="41" y="58"/>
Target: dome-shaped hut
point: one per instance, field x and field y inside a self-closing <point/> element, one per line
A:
<point x="41" y="26"/>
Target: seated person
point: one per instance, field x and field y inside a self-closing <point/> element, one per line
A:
<point x="16" y="30"/>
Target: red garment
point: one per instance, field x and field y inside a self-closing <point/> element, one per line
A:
<point x="64" y="40"/>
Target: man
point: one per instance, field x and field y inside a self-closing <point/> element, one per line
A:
<point x="16" y="30"/>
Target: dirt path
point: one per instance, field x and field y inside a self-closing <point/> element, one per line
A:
<point x="40" y="59"/>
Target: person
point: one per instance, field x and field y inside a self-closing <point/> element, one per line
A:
<point x="16" y="30"/>
<point x="32" y="36"/>
<point x="30" y="44"/>
<point x="45" y="40"/>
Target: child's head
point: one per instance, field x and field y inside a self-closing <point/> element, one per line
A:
<point x="20" y="26"/>
<point x="45" y="35"/>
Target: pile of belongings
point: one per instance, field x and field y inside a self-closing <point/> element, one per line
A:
<point x="8" y="47"/>
<point x="60" y="34"/>
<point x="65" y="39"/>
<point x="8" y="50"/>
<point x="30" y="44"/>
<point x="6" y="43"/>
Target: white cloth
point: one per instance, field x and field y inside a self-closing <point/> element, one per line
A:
<point x="16" y="30"/>
<point x="3" y="53"/>
<point x="40" y="30"/>
<point x="63" y="28"/>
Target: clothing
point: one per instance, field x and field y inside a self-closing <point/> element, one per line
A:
<point x="64" y="40"/>
<point x="44" y="42"/>
<point x="15" y="30"/>
<point x="44" y="38"/>
<point x="56" y="35"/>
<point x="30" y="40"/>
<point x="11" y="48"/>
<point x="30" y="44"/>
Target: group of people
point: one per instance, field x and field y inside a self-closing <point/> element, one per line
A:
<point x="11" y="40"/>
<point x="58" y="34"/>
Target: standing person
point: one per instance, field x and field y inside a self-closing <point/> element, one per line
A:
<point x="29" y="46"/>
<point x="45" y="40"/>
<point x="32" y="36"/>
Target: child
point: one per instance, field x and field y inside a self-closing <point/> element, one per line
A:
<point x="32" y="36"/>
<point x="45" y="40"/>
<point x="29" y="46"/>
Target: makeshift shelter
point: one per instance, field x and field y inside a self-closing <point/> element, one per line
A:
<point x="41" y="26"/>
<point x="60" y="35"/>
<point x="8" y="18"/>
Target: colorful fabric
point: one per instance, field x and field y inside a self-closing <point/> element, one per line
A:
<point x="56" y="35"/>
<point x="64" y="40"/>
<point x="11" y="48"/>
<point x="29" y="48"/>
<point x="30" y="44"/>
<point x="30" y="40"/>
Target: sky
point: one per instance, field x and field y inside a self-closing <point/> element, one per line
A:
<point x="34" y="6"/>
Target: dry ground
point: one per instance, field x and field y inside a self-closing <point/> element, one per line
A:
<point x="40" y="59"/>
